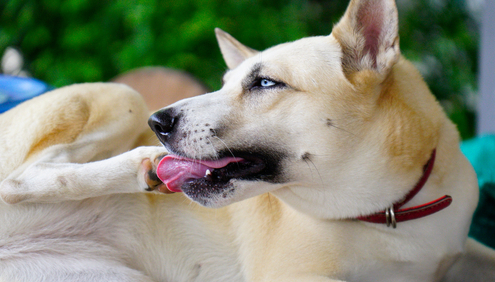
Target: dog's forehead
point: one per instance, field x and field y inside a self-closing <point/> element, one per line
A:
<point x="320" y="54"/>
<point x="313" y="48"/>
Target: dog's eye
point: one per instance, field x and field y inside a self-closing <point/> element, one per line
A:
<point x="266" y="82"/>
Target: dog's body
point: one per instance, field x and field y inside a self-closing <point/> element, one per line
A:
<point x="328" y="128"/>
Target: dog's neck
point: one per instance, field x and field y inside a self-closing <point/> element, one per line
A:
<point x="394" y="213"/>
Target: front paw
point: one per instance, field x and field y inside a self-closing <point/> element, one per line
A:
<point x="148" y="167"/>
<point x="11" y="191"/>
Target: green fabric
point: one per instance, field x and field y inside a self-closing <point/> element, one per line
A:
<point x="481" y="153"/>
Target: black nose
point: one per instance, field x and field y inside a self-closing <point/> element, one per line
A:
<point x="163" y="122"/>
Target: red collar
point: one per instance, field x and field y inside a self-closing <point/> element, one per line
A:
<point x="395" y="214"/>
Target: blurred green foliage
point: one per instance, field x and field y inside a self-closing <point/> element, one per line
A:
<point x="69" y="41"/>
<point x="443" y="39"/>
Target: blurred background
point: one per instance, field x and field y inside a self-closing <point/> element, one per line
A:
<point x="70" y="41"/>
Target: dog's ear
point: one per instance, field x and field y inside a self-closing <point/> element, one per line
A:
<point x="234" y="52"/>
<point x="368" y="34"/>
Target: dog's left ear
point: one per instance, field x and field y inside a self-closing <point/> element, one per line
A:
<point x="368" y="34"/>
<point x="234" y="52"/>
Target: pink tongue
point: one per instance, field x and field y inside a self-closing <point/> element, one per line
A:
<point x="174" y="170"/>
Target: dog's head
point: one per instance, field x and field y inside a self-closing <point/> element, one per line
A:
<point x="334" y="125"/>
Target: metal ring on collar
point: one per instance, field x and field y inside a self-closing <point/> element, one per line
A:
<point x="390" y="217"/>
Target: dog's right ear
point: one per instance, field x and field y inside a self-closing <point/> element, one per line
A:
<point x="368" y="35"/>
<point x="234" y="52"/>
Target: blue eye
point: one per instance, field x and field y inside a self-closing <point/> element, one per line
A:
<point x="267" y="83"/>
<point x="261" y="83"/>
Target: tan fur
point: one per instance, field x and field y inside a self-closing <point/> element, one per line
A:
<point x="419" y="125"/>
<point x="277" y="236"/>
<point x="80" y="111"/>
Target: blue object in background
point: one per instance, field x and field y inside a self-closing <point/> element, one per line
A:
<point x="481" y="153"/>
<point x="15" y="90"/>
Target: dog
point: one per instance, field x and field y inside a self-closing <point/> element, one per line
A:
<point x="324" y="159"/>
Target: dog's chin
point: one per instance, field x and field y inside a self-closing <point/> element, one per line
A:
<point x="221" y="195"/>
<point x="213" y="195"/>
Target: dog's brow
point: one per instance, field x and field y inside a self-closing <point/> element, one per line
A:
<point x="255" y="72"/>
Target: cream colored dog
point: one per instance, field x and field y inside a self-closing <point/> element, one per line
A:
<point x="308" y="152"/>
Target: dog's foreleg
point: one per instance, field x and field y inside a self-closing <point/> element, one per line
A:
<point x="50" y="146"/>
<point x="301" y="277"/>
<point x="477" y="263"/>
<point x="44" y="181"/>
<point x="69" y="269"/>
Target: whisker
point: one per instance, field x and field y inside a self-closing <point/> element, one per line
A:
<point x="316" y="168"/>
<point x="230" y="151"/>
<point x="330" y="123"/>
<point x="213" y="147"/>
<point x="343" y="130"/>
<point x="225" y="146"/>
<point x="317" y="171"/>
<point x="309" y="167"/>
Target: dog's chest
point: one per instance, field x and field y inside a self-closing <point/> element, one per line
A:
<point x="180" y="241"/>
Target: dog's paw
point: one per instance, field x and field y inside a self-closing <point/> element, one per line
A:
<point x="150" y="177"/>
<point x="10" y="191"/>
<point x="148" y="173"/>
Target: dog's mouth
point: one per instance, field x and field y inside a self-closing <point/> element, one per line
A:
<point x="203" y="178"/>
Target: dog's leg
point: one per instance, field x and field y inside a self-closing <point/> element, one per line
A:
<point x="477" y="263"/>
<point x="44" y="181"/>
<point x="46" y="143"/>
<point x="309" y="278"/>
<point x="67" y="269"/>
<point x="99" y="119"/>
